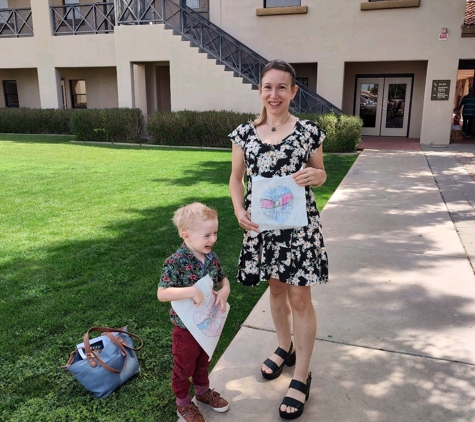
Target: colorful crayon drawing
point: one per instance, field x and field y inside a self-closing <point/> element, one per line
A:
<point x="277" y="203"/>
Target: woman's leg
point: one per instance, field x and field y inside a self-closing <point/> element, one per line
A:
<point x="280" y="310"/>
<point x="305" y="331"/>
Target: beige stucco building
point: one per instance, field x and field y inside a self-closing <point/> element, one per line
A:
<point x="401" y="65"/>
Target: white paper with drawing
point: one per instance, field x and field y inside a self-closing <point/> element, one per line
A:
<point x="205" y="321"/>
<point x="277" y="203"/>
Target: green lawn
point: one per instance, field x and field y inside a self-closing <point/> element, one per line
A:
<point x="84" y="231"/>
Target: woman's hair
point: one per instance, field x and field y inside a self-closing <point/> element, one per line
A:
<point x="276" y="65"/>
<point x="189" y="215"/>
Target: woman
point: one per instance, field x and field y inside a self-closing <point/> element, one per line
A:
<point x="291" y="260"/>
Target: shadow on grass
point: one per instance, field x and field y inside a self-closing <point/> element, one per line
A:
<point x="50" y="302"/>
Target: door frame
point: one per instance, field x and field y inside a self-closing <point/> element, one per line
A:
<point x="379" y="130"/>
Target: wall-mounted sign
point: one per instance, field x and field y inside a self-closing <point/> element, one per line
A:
<point x="443" y="35"/>
<point x="440" y="90"/>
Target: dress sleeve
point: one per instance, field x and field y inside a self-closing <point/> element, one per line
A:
<point x="238" y="135"/>
<point x="317" y="136"/>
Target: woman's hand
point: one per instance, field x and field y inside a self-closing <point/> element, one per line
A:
<point x="244" y="220"/>
<point x="310" y="177"/>
<point x="314" y="174"/>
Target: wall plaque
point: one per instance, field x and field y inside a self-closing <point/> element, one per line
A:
<point x="440" y="90"/>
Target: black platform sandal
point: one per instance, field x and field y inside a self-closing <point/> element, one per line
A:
<point x="289" y="360"/>
<point x="291" y="402"/>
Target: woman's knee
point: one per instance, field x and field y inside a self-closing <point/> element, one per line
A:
<point x="300" y="298"/>
<point x="277" y="288"/>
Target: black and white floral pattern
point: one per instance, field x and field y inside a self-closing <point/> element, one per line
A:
<point x="293" y="256"/>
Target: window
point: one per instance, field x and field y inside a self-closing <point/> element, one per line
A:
<point x="281" y="3"/>
<point x="11" y="94"/>
<point x="303" y="81"/>
<point x="78" y="93"/>
<point x="194" y="4"/>
<point x="4" y="15"/>
<point x="72" y="12"/>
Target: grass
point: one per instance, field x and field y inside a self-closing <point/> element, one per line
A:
<point x="84" y="231"/>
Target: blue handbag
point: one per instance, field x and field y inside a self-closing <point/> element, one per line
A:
<point x="103" y="364"/>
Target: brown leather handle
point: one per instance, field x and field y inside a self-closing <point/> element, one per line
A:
<point x="117" y="330"/>
<point x="93" y="358"/>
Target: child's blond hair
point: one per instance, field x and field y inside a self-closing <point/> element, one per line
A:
<point x="187" y="216"/>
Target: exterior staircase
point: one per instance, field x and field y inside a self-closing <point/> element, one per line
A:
<point x="216" y="43"/>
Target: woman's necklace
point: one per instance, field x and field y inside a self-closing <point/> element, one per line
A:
<point x="274" y="128"/>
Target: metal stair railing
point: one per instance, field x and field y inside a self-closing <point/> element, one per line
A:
<point x="220" y="45"/>
<point x="95" y="18"/>
<point x="16" y="23"/>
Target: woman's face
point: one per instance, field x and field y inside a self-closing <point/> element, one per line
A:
<point x="276" y="91"/>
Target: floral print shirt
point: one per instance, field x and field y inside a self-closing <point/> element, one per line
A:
<point x="183" y="269"/>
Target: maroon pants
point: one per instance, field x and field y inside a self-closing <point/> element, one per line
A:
<point x="189" y="361"/>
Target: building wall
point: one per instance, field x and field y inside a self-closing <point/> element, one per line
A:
<point x="335" y="34"/>
<point x="330" y="44"/>
<point x="196" y="82"/>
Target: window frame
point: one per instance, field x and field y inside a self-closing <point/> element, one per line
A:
<point x="74" y="95"/>
<point x="7" y="95"/>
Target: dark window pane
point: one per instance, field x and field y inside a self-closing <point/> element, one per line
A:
<point x="280" y="3"/>
<point x="11" y="94"/>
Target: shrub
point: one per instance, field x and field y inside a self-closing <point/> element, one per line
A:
<point x="195" y="128"/>
<point x="343" y="132"/>
<point x="108" y="125"/>
<point x="35" y="120"/>
<point x="211" y="128"/>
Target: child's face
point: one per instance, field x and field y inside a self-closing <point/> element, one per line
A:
<point x="201" y="238"/>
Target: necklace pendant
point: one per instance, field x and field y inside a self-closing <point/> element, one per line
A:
<point x="273" y="129"/>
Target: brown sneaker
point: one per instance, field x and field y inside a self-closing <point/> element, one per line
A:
<point x="214" y="401"/>
<point x="189" y="413"/>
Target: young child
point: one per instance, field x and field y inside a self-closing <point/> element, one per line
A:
<point x="198" y="227"/>
<point x="456" y="132"/>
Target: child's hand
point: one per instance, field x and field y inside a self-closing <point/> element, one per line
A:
<point x="222" y="297"/>
<point x="198" y="296"/>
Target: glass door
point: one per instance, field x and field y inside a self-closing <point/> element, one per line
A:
<point x="368" y="105"/>
<point x="383" y="104"/>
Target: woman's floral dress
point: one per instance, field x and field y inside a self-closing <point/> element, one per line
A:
<point x="293" y="256"/>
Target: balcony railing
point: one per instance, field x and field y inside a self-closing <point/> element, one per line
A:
<point x="16" y="23"/>
<point x="226" y="49"/>
<point x="95" y="18"/>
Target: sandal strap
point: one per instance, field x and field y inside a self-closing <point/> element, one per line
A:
<point x="291" y="402"/>
<point x="282" y="353"/>
<point x="271" y="364"/>
<point x="299" y="386"/>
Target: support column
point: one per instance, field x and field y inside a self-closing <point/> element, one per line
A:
<point x="49" y="79"/>
<point x="330" y="81"/>
<point x="437" y="114"/>
<point x="140" y="87"/>
<point x="125" y="84"/>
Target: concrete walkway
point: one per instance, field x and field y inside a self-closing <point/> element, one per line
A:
<point x="396" y="335"/>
